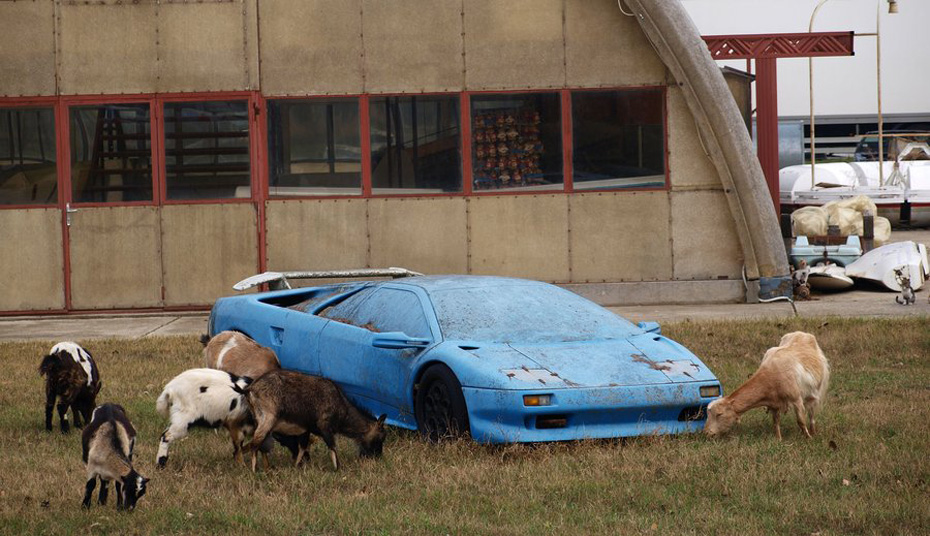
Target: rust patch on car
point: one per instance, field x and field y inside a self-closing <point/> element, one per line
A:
<point x="639" y="358"/>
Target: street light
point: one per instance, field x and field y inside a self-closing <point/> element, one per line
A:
<point x="892" y="8"/>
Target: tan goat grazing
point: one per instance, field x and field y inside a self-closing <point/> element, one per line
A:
<point x="237" y="354"/>
<point x="793" y="375"/>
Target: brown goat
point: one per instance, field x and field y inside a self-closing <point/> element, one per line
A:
<point x="237" y="354"/>
<point x="793" y="375"/>
<point x="296" y="404"/>
<point x="71" y="377"/>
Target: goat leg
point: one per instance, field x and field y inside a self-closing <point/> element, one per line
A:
<point x="49" y="409"/>
<point x="331" y="443"/>
<point x="104" y="491"/>
<point x="236" y="437"/>
<point x="776" y="420"/>
<point x="119" y="495"/>
<point x="63" y="417"/>
<point x="800" y="413"/>
<point x="88" y="491"/>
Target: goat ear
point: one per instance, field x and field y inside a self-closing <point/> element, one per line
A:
<point x="381" y="419"/>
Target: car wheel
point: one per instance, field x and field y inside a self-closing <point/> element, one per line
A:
<point x="440" y="405"/>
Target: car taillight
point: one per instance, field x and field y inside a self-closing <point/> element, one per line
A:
<point x="710" y="390"/>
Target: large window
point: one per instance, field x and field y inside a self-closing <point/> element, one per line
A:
<point x="314" y="147"/>
<point x="618" y="139"/>
<point x="207" y="149"/>
<point x="28" y="174"/>
<point x="516" y="141"/>
<point x="415" y="144"/>
<point x="111" y="153"/>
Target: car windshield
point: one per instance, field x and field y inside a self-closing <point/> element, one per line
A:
<point x="534" y="313"/>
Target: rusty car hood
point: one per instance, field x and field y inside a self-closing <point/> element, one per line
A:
<point x="641" y="360"/>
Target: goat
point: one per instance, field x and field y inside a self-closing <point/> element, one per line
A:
<point x="72" y="377"/>
<point x="297" y="404"/>
<point x="238" y="354"/>
<point x="206" y="397"/>
<point x="793" y="375"/>
<point x="107" y="444"/>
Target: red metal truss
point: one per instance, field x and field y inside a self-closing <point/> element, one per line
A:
<point x="786" y="45"/>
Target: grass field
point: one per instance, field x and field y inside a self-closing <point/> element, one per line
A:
<point x="866" y="472"/>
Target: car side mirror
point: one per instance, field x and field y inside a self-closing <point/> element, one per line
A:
<point x="650" y="327"/>
<point x="397" y="340"/>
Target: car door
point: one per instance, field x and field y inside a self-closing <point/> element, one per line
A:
<point x="378" y="378"/>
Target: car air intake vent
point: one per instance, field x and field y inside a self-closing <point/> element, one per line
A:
<point x="693" y="413"/>
<point x="548" y="422"/>
<point x="470" y="348"/>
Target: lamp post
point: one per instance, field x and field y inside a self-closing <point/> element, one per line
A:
<point x="892" y="8"/>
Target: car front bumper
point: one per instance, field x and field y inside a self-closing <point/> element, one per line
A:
<point x="500" y="416"/>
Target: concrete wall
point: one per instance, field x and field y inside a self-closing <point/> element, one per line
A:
<point x="116" y="258"/>
<point x="207" y="249"/>
<point x="32" y="267"/>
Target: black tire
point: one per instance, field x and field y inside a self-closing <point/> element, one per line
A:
<point x="440" y="405"/>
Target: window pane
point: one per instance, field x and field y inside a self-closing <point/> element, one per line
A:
<point x="111" y="153"/>
<point x="619" y="139"/>
<point x="394" y="310"/>
<point x="207" y="150"/>
<point x="517" y="141"/>
<point x="314" y="147"/>
<point x="27" y="157"/>
<point x="415" y="145"/>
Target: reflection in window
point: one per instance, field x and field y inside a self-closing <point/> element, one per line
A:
<point x="207" y="150"/>
<point x="314" y="147"/>
<point x="516" y="141"/>
<point x="393" y="310"/>
<point x="27" y="156"/>
<point x="415" y="144"/>
<point x="619" y="139"/>
<point x="111" y="153"/>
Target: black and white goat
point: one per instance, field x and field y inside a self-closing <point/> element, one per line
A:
<point x="72" y="377"/>
<point x="206" y="397"/>
<point x="107" y="444"/>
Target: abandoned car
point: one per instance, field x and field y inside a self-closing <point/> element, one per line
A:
<point x="501" y="359"/>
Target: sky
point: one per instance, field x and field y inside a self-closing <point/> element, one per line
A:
<point x="842" y="85"/>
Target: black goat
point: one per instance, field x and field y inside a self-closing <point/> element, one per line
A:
<point x="72" y="377"/>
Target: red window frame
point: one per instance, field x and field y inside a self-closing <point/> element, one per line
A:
<point x="256" y="108"/>
<point x="567" y="186"/>
<point x="364" y="130"/>
<point x="36" y="102"/>
<point x="258" y="136"/>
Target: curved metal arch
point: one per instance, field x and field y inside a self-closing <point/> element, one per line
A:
<point x="679" y="45"/>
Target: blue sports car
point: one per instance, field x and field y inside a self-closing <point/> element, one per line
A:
<point x="506" y="360"/>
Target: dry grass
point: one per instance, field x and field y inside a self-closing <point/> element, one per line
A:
<point x="874" y="482"/>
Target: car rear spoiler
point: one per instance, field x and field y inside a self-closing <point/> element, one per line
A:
<point x="279" y="280"/>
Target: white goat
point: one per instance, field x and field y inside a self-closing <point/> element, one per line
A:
<point x="237" y="354"/>
<point x="205" y="397"/>
<point x="794" y="375"/>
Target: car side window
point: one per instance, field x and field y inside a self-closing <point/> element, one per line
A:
<point x="391" y="309"/>
<point x="346" y="310"/>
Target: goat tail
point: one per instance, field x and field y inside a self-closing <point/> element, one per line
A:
<point x="163" y="403"/>
<point x="204" y="339"/>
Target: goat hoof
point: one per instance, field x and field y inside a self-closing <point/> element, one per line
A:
<point x="161" y="462"/>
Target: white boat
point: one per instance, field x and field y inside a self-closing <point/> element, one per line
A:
<point x="903" y="196"/>
<point x="829" y="277"/>
<point x="880" y="265"/>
